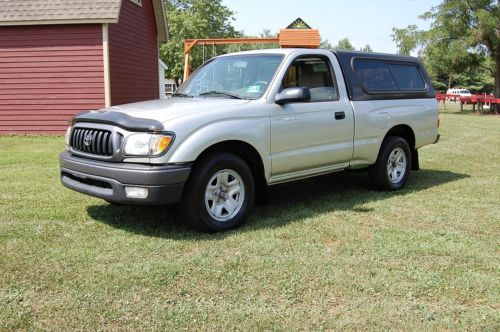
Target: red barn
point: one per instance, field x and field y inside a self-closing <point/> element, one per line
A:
<point x="61" y="57"/>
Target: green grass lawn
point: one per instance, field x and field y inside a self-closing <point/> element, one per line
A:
<point x="327" y="253"/>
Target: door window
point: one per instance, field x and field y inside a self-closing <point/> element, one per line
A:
<point x="315" y="74"/>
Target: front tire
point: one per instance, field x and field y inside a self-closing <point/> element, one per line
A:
<point x="219" y="193"/>
<point x="392" y="168"/>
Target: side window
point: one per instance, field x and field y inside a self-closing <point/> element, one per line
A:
<point x="313" y="73"/>
<point x="407" y="77"/>
<point x="375" y="76"/>
<point x="385" y="76"/>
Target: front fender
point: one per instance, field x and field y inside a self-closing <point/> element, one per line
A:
<point x="253" y="131"/>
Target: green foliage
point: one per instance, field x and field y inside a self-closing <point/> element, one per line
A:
<point x="191" y="19"/>
<point x="267" y="33"/>
<point x="325" y="44"/>
<point x="478" y="79"/>
<point x="463" y="34"/>
<point x="366" y="48"/>
<point x="406" y="39"/>
<point x="345" y="45"/>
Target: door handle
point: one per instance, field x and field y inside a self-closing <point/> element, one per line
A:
<point x="339" y="115"/>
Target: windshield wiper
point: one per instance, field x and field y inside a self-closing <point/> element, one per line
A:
<point x="180" y="94"/>
<point x="213" y="92"/>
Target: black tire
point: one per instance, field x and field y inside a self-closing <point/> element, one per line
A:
<point x="196" y="208"/>
<point x="391" y="175"/>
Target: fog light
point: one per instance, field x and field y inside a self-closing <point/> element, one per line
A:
<point x="136" y="192"/>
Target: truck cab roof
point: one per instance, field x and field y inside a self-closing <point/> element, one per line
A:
<point x="370" y="75"/>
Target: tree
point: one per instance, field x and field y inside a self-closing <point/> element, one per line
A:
<point x="462" y="34"/>
<point x="325" y="43"/>
<point x="345" y="45"/>
<point x="190" y="19"/>
<point x="406" y="39"/>
<point x="367" y="48"/>
<point x="267" y="33"/>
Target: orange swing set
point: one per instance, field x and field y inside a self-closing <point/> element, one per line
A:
<point x="298" y="34"/>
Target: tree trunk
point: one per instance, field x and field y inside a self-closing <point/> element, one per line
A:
<point x="496" y="58"/>
<point x="497" y="74"/>
<point x="449" y="82"/>
<point x="178" y="82"/>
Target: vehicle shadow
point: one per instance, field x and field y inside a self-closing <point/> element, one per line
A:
<point x="468" y="111"/>
<point x="290" y="202"/>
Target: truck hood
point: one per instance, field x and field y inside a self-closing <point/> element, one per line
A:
<point x="172" y="108"/>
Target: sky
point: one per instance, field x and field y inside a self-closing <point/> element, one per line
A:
<point x="361" y="21"/>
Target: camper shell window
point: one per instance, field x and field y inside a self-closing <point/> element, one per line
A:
<point x="385" y="76"/>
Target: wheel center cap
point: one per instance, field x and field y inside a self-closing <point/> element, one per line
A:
<point x="222" y="193"/>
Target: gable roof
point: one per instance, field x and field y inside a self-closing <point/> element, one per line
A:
<point x="299" y="24"/>
<point x="42" y="12"/>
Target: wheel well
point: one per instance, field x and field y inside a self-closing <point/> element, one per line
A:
<point x="405" y="132"/>
<point x="246" y="152"/>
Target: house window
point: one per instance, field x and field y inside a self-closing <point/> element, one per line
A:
<point x="169" y="88"/>
<point x="137" y="2"/>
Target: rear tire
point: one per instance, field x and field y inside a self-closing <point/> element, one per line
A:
<point x="219" y="193"/>
<point x="392" y="168"/>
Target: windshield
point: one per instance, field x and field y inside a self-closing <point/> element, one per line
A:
<point x="237" y="76"/>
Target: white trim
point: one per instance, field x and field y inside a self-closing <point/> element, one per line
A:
<point x="161" y="78"/>
<point x="137" y="2"/>
<point x="105" y="55"/>
<point x="161" y="20"/>
<point x="162" y="67"/>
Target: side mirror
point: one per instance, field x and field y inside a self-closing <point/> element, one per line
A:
<point x="293" y="95"/>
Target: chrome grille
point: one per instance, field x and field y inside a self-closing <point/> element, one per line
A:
<point x="92" y="141"/>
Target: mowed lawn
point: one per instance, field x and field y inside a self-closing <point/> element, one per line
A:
<point x="327" y="253"/>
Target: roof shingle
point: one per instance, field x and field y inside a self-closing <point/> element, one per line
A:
<point x="21" y="12"/>
<point x="40" y="12"/>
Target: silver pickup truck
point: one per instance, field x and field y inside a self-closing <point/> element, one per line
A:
<point x="248" y="120"/>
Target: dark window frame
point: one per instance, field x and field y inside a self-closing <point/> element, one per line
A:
<point x="388" y="63"/>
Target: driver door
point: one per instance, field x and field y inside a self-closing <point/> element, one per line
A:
<point x="314" y="136"/>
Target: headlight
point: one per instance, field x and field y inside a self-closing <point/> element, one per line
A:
<point x="147" y="144"/>
<point x="67" y="136"/>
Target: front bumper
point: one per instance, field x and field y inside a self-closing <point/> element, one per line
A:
<point x="107" y="180"/>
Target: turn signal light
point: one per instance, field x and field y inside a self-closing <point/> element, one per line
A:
<point x="161" y="144"/>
